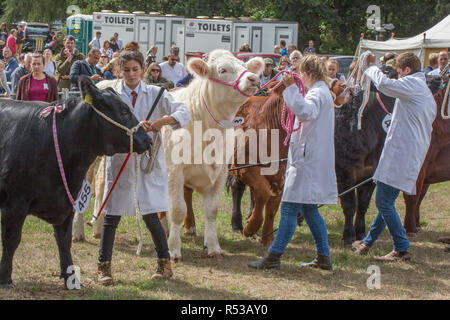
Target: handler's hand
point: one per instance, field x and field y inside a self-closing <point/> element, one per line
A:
<point x="288" y="79"/>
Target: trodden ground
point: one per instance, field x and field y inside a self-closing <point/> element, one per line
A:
<point x="36" y="264"/>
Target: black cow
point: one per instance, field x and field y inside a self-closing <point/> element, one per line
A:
<point x="30" y="181"/>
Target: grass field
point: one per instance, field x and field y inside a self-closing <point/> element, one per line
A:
<point x="427" y="276"/>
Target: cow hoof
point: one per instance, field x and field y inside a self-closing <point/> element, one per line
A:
<point x="78" y="238"/>
<point x="238" y="229"/>
<point x="411" y="234"/>
<point x="190" y="231"/>
<point x="7" y="285"/>
<point x="216" y="255"/>
<point x="347" y="245"/>
<point x="175" y="258"/>
<point x="97" y="235"/>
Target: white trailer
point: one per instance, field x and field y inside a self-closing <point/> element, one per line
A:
<point x="263" y="35"/>
<point x="163" y="31"/>
<point x="108" y="23"/>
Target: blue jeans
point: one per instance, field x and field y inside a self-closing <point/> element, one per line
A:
<point x="288" y="224"/>
<point x="385" y="196"/>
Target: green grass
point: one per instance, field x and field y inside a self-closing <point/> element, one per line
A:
<point x="36" y="264"/>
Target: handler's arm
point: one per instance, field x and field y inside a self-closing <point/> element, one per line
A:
<point x="401" y="88"/>
<point x="304" y="108"/>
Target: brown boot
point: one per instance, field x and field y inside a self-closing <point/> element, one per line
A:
<point x="164" y="270"/>
<point x="104" y="273"/>
<point x="360" y="247"/>
<point x="395" y="256"/>
<point x="270" y="261"/>
<point x="322" y="262"/>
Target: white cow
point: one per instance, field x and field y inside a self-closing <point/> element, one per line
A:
<point x="209" y="102"/>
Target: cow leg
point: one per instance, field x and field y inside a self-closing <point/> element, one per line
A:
<point x="262" y="196"/>
<point x="177" y="212"/>
<point x="364" y="194"/>
<point x="422" y="195"/>
<point x="252" y="203"/>
<point x="210" y="204"/>
<point x="12" y="223"/>
<point x="162" y="216"/>
<point x="348" y="204"/>
<point x="189" y="220"/>
<point x="270" y="212"/>
<point x="63" y="238"/>
<point x="237" y="191"/>
<point x="100" y="177"/>
<point x="412" y="205"/>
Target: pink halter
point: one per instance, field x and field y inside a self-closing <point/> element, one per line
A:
<point x="287" y="122"/>
<point x="234" y="85"/>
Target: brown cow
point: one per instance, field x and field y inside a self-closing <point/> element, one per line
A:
<point x="435" y="169"/>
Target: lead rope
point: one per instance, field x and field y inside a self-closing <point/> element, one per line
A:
<point x="446" y="117"/>
<point x="130" y="132"/>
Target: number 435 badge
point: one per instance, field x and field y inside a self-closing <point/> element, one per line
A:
<point x="84" y="197"/>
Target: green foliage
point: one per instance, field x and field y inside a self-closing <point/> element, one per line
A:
<point x="335" y="25"/>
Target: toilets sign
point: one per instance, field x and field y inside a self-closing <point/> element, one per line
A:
<point x="206" y="26"/>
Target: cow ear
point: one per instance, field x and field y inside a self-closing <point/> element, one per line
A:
<point x="88" y="89"/>
<point x="199" y="67"/>
<point x="255" y="65"/>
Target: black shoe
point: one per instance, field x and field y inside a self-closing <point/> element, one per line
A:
<point x="270" y="261"/>
<point x="322" y="262"/>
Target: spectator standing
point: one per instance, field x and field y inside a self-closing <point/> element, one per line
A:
<point x="276" y="49"/>
<point x="51" y="44"/>
<point x="433" y="60"/>
<point x="3" y="33"/>
<point x="10" y="62"/>
<point x="153" y="76"/>
<point x="113" y="45"/>
<point x="104" y="60"/>
<point x="3" y="81"/>
<point x="95" y="43"/>
<point x="245" y="48"/>
<point x="11" y="41"/>
<point x="22" y="70"/>
<point x="310" y="48"/>
<point x="49" y="64"/>
<point x="295" y="57"/>
<point x="87" y="67"/>
<point x="107" y="49"/>
<point x="37" y="85"/>
<point x="324" y="58"/>
<point x="285" y="65"/>
<point x="333" y="70"/>
<point x="111" y="71"/>
<point x="19" y="39"/>
<point x="131" y="46"/>
<point x="118" y="41"/>
<point x="64" y="61"/>
<point x="268" y="72"/>
<point x="172" y="70"/>
<point x="283" y="48"/>
<point x="386" y="58"/>
<point x="291" y="48"/>
<point x="442" y="60"/>
<point x="151" y="56"/>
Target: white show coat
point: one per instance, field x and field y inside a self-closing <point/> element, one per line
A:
<point x="409" y="134"/>
<point x="310" y="174"/>
<point x="153" y="190"/>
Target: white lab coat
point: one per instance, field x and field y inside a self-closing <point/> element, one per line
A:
<point x="310" y="174"/>
<point x="153" y="191"/>
<point x="409" y="134"/>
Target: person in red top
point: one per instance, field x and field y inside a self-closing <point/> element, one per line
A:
<point x="11" y="41"/>
<point x="37" y="85"/>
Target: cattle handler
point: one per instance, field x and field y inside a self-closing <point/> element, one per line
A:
<point x="152" y="188"/>
<point x="404" y="150"/>
<point x="310" y="175"/>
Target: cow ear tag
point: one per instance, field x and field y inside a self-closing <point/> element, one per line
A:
<point x="88" y="99"/>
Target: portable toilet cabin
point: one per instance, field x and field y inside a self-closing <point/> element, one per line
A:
<point x="109" y="22"/>
<point x="80" y="26"/>
<point x="162" y="31"/>
<point x="263" y="35"/>
<point x="204" y="34"/>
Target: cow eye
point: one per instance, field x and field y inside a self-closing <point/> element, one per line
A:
<point x="222" y="71"/>
<point x="125" y="112"/>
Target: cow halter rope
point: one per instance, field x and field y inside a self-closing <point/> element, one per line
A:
<point x="445" y="117"/>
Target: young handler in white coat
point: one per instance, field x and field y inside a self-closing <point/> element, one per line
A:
<point x="310" y="174"/>
<point x="404" y="151"/>
<point x="153" y="193"/>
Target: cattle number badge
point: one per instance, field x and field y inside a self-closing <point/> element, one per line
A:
<point x="82" y="201"/>
<point x="386" y="123"/>
<point x="226" y="124"/>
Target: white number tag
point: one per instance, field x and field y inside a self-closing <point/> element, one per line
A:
<point x="230" y="124"/>
<point x="386" y="123"/>
<point x="82" y="201"/>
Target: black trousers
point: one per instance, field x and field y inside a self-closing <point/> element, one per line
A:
<point x="109" y="232"/>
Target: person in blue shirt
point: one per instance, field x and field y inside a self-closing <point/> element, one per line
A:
<point x="433" y="62"/>
<point x="10" y="62"/>
<point x="283" y="48"/>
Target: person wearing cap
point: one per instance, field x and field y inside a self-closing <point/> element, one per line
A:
<point x="269" y="72"/>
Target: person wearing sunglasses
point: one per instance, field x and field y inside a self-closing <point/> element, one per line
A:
<point x="153" y="77"/>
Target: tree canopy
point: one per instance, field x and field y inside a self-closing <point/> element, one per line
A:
<point x="335" y="25"/>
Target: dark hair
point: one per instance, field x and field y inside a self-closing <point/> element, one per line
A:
<point x="38" y="55"/>
<point x="93" y="50"/>
<point x="408" y="59"/>
<point x="69" y="38"/>
<point x="131" y="46"/>
<point x="128" y="55"/>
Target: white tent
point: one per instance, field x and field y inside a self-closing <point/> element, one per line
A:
<point x="434" y="39"/>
